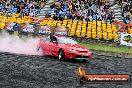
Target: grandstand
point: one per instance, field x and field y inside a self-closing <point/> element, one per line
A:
<point x="24" y="7"/>
<point x="93" y="25"/>
<point x="83" y="18"/>
<point x="94" y="29"/>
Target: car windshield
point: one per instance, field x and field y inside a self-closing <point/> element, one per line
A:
<point x="64" y="40"/>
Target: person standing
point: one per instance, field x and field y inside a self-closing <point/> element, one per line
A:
<point x="16" y="29"/>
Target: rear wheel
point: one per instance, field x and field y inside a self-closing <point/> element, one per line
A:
<point x="61" y="55"/>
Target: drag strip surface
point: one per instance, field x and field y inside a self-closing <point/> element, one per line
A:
<point x="19" y="71"/>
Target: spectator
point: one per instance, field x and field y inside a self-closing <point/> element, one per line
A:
<point x="127" y="11"/>
<point x="16" y="27"/>
<point x="31" y="13"/>
<point x="20" y="6"/>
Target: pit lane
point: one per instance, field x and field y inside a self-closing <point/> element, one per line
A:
<point x="20" y="71"/>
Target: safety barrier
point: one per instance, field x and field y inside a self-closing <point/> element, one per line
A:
<point x="94" y="29"/>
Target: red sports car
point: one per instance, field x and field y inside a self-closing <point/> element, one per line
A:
<point x="64" y="48"/>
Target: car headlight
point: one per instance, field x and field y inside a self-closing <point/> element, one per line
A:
<point x="72" y="50"/>
<point x="89" y="52"/>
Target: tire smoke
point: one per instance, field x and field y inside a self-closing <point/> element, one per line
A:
<point x="24" y="45"/>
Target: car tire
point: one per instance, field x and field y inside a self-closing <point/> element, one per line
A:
<point x="61" y="55"/>
<point x="82" y="79"/>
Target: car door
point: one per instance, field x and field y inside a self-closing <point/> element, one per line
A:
<point x="44" y="45"/>
<point x="48" y="46"/>
<point x="54" y="46"/>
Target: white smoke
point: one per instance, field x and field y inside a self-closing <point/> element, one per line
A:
<point x="13" y="44"/>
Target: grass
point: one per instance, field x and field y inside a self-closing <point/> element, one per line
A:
<point x="97" y="46"/>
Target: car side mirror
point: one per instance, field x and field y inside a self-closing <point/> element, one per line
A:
<point x="55" y="42"/>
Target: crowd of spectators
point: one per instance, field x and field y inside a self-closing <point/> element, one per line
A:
<point x="126" y="10"/>
<point x="88" y="10"/>
<point x="24" y="7"/>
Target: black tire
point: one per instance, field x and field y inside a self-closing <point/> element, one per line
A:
<point x="61" y="55"/>
<point x="82" y="79"/>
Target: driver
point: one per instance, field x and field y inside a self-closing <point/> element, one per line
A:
<point x="52" y="38"/>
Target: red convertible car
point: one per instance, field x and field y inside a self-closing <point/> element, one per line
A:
<point x="64" y="48"/>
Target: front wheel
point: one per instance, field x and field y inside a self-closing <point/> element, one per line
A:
<point x="61" y="55"/>
<point x="82" y="79"/>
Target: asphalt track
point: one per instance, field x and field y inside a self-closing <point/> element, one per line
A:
<point x="20" y="71"/>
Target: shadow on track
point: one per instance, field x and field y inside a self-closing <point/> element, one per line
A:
<point x="70" y="60"/>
